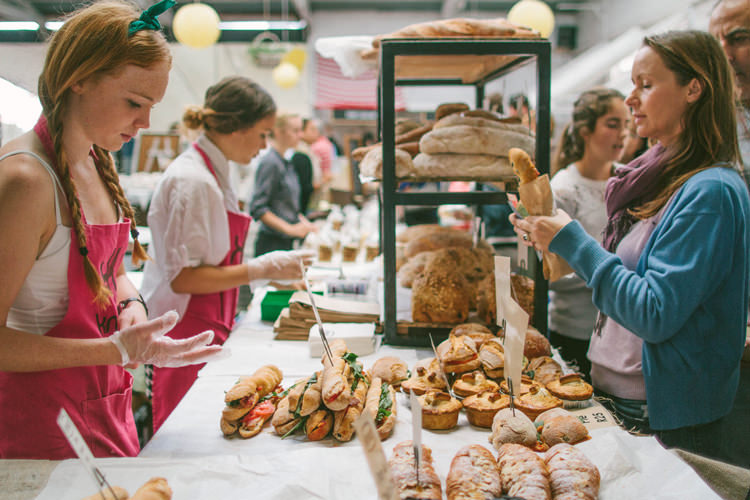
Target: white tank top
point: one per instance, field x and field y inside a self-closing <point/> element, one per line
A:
<point x="42" y="301"/>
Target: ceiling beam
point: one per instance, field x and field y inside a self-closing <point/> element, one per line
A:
<point x="14" y="10"/>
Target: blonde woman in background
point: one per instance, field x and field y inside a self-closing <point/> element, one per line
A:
<point x="69" y="317"/>
<point x="585" y="160"/>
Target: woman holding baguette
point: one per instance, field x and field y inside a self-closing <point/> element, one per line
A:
<point x="69" y="317"/>
<point x="671" y="279"/>
<point x="198" y="261"/>
<point x="589" y="146"/>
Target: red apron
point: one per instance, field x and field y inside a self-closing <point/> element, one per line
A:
<point x="97" y="398"/>
<point x="211" y="311"/>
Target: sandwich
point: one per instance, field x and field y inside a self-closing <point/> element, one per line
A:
<point x="381" y="406"/>
<point x="251" y="402"/>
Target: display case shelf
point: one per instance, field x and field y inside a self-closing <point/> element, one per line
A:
<point x="442" y="61"/>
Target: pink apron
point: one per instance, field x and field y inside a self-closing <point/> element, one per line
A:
<point x="212" y="311"/>
<point x="97" y="398"/>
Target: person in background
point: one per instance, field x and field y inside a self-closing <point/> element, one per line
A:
<point x="199" y="232"/>
<point x="321" y="148"/>
<point x="635" y="145"/>
<point x="70" y="319"/>
<point x="730" y="24"/>
<point x="671" y="280"/>
<point x="518" y="105"/>
<point x="585" y="160"/>
<point x="276" y="193"/>
<point x="495" y="103"/>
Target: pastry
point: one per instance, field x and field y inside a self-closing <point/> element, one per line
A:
<point x="536" y="401"/>
<point x="426" y="376"/>
<point x="409" y="485"/>
<point x="381" y="406"/>
<point x="472" y="383"/>
<point x="544" y="369"/>
<point x="571" y="388"/>
<point x="482" y="408"/>
<point x="526" y="385"/>
<point x="390" y="370"/>
<point x="572" y="476"/>
<point x="536" y="344"/>
<point x="510" y="426"/>
<point x="439" y="410"/>
<point x="458" y="354"/>
<point x="473" y="475"/>
<point x="492" y="357"/>
<point x="523" y="473"/>
<point x="561" y="428"/>
<point x="478" y="333"/>
<point x="155" y="488"/>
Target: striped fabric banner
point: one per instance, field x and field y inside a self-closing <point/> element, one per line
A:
<point x="333" y="90"/>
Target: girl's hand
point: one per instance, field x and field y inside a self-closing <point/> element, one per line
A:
<point x="539" y="231"/>
<point x="133" y="314"/>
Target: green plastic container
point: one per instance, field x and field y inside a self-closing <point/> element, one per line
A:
<point x="274" y="302"/>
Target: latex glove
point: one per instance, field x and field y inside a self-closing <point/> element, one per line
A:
<point x="278" y="265"/>
<point x="146" y="343"/>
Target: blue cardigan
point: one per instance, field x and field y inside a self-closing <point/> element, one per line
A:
<point x="687" y="298"/>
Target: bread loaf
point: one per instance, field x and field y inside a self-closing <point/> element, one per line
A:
<point x="372" y="164"/>
<point x="572" y="475"/>
<point x="473" y="475"/>
<point x="474" y="166"/>
<point x="461" y="27"/>
<point x="450" y="108"/>
<point x="479" y="121"/>
<point x="440" y="296"/>
<point x="466" y="139"/>
<point x="426" y="485"/>
<point x="523" y="473"/>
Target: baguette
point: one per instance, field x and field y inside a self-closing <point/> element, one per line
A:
<point x="336" y="389"/>
<point x="304" y="397"/>
<point x="381" y="406"/>
<point x="248" y="390"/>
<point x="403" y="469"/>
<point x="473" y="475"/>
<point x="522" y="165"/>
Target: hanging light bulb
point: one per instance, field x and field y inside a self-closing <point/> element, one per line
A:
<point x="196" y="25"/>
<point x="286" y="75"/>
<point x="534" y="14"/>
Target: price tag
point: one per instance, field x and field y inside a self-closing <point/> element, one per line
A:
<point x="516" y="324"/>
<point x="502" y="286"/>
<point x="594" y="417"/>
<point x="370" y="441"/>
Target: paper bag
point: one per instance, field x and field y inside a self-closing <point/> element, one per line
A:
<point x="536" y="196"/>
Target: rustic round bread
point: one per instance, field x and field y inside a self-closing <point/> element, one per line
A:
<point x="412" y="268"/>
<point x="440" y="296"/>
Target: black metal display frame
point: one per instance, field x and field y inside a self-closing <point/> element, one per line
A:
<point x="526" y="51"/>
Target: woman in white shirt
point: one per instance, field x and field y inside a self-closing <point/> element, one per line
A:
<point x="585" y="159"/>
<point x="199" y="231"/>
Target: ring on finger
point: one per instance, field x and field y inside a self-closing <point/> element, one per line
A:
<point x="526" y="237"/>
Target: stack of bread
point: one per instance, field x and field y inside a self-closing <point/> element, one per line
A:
<point x="461" y="144"/>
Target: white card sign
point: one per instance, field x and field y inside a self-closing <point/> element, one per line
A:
<point x="502" y="285"/>
<point x="516" y="323"/>
<point x="370" y="441"/>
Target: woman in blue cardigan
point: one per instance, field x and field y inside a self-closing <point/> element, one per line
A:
<point x="671" y="279"/>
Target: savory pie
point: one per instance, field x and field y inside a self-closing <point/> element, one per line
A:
<point x="536" y="401"/>
<point x="570" y="387"/>
<point x="481" y="408"/>
<point x="439" y="410"/>
<point x="473" y="383"/>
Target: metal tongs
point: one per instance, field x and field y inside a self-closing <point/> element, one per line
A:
<point x="440" y="365"/>
<point x="317" y="315"/>
<point x="84" y="453"/>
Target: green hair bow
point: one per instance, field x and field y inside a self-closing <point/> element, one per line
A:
<point x="148" y="19"/>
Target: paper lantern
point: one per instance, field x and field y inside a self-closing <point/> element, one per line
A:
<point x="296" y="56"/>
<point x="196" y="25"/>
<point x="286" y="75"/>
<point x="534" y="14"/>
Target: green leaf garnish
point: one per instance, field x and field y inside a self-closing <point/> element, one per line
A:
<point x="384" y="405"/>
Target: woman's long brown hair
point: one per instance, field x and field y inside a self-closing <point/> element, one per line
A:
<point x="709" y="134"/>
<point x="92" y="43"/>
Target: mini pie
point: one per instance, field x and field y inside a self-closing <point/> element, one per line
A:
<point x="478" y="332"/>
<point x="472" y="383"/>
<point x="570" y="387"/>
<point x="459" y="354"/>
<point x="526" y="385"/>
<point x="545" y="369"/>
<point x="492" y="357"/>
<point x="426" y="376"/>
<point x="536" y="401"/>
<point x="439" y="410"/>
<point x="481" y="408"/>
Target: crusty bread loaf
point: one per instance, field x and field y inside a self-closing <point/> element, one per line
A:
<point x="413" y="269"/>
<point x="466" y="118"/>
<point x="474" y="166"/>
<point x="562" y="428"/>
<point x="536" y="344"/>
<point x="404" y="125"/>
<point x="473" y="475"/>
<point x="522" y="292"/>
<point x="465" y="139"/>
<point x="572" y="475"/>
<point x="523" y="473"/>
<point x="461" y="27"/>
<point x="425" y="485"/>
<point x="413" y="135"/>
<point x="440" y="296"/>
<point x="372" y="164"/>
<point x="441" y="239"/>
<point x="450" y="108"/>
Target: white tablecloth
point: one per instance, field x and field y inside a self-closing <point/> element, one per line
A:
<point x="199" y="462"/>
